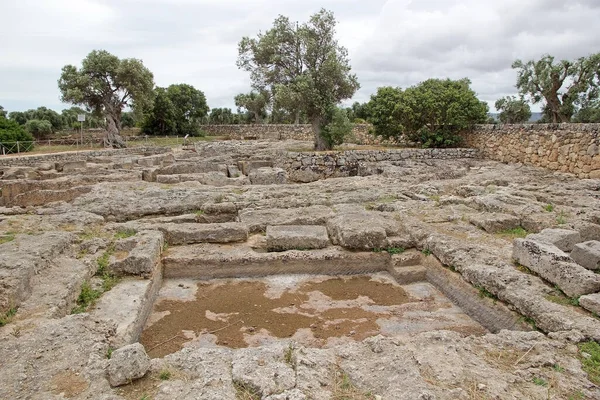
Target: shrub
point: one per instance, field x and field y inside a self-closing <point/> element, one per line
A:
<point x="337" y="129"/>
<point x="38" y="128"/>
<point x="10" y="133"/>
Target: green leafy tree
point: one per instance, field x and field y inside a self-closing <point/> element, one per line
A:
<point x="513" y="110"/>
<point x="161" y="118"/>
<point x="563" y="86"/>
<point x="303" y="66"/>
<point x="92" y="120"/>
<point x="337" y="129"/>
<point x="431" y="113"/>
<point x="128" y="120"/>
<point x="177" y="110"/>
<point x="382" y="112"/>
<point x="589" y="112"/>
<point x="254" y="103"/>
<point x="106" y="84"/>
<point x="45" y="114"/>
<point x="12" y="132"/>
<point x="39" y="128"/>
<point x="3" y="113"/>
<point x="190" y="108"/>
<point x="221" y="116"/>
<point x="18" y="116"/>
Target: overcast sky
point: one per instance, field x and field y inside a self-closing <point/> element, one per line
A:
<point x="395" y="42"/>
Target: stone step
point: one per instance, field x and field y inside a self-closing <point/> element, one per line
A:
<point x="128" y="305"/>
<point x="227" y="232"/>
<point x="407" y="259"/>
<point x="408" y="275"/>
<point x="209" y="261"/>
<point x="296" y="237"/>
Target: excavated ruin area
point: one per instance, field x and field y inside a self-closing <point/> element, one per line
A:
<point x="249" y="270"/>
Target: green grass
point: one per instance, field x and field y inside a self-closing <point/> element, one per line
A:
<point x="591" y="364"/>
<point x="288" y="355"/>
<point x="199" y="212"/>
<point x="563" y="300"/>
<point x="549" y="207"/>
<point x="514" y="233"/>
<point x="165" y="375"/>
<point x="109" y="352"/>
<point x="124" y="233"/>
<point x="86" y="298"/>
<point x="390" y="250"/>
<point x="540" y="382"/>
<point x="529" y="321"/>
<point x="5" y="319"/>
<point x="483" y="293"/>
<point x="245" y="392"/>
<point x="558" y="368"/>
<point x="9" y="237"/>
<point x="561" y="218"/>
<point x="426" y="252"/>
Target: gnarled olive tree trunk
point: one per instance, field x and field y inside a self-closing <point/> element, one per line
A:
<point x="113" y="136"/>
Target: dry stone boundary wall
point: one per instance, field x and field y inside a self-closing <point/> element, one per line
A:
<point x="570" y="148"/>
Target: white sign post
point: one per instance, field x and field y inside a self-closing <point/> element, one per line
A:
<point x="81" y="119"/>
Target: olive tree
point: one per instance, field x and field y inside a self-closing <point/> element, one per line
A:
<point x="107" y="85"/>
<point x="563" y="85"/>
<point x="303" y="66"/>
<point x="254" y="103"/>
<point x="513" y="110"/>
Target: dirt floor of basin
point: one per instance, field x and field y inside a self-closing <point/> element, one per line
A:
<point x="312" y="310"/>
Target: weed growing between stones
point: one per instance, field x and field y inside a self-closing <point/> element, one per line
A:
<point x="344" y="389"/>
<point x="199" y="212"/>
<point x="86" y="298"/>
<point x="549" y="208"/>
<point x="514" y="233"/>
<point x="426" y="252"/>
<point x="165" y="375"/>
<point x="483" y="292"/>
<point x="124" y="233"/>
<point x="245" y="392"/>
<point x="540" y="382"/>
<point x="5" y="319"/>
<point x="561" y="218"/>
<point x="559" y="297"/>
<point x="9" y="237"/>
<point x="589" y="354"/>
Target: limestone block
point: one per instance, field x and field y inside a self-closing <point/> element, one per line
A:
<point x="564" y="239"/>
<point x="227" y="232"/>
<point x="67" y="166"/>
<point x="263" y="369"/>
<point x="495" y="222"/>
<point x="127" y="364"/>
<point x="361" y="230"/>
<point x="587" y="254"/>
<point x="591" y="302"/>
<point x="556" y="266"/>
<point x="268" y="176"/>
<point x="289" y="237"/>
<point x="143" y="257"/>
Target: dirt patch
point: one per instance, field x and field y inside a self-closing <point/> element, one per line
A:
<point x="234" y="310"/>
<point x="69" y="384"/>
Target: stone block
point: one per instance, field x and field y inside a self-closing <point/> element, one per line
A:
<point x="290" y="237"/>
<point x="127" y="364"/>
<point x="556" y="266"/>
<point x="233" y="171"/>
<point x="248" y="166"/>
<point x="587" y="254"/>
<point x="357" y="232"/>
<point x="268" y="176"/>
<point x="67" y="166"/>
<point x="407" y="259"/>
<point x="591" y="302"/>
<point x="143" y="254"/>
<point x="228" y="232"/>
<point x="408" y="275"/>
<point x="564" y="239"/>
<point x="493" y="223"/>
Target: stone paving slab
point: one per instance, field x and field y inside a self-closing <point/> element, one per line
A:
<point x="587" y="254"/>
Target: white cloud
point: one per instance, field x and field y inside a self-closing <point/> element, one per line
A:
<point x="395" y="42"/>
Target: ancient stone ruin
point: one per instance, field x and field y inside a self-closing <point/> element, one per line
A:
<point x="250" y="270"/>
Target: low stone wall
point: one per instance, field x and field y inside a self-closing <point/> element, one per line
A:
<point x="29" y="160"/>
<point x="312" y="166"/>
<point x="570" y="148"/>
<point x="278" y="132"/>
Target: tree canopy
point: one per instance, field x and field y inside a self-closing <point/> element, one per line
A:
<point x="10" y="133"/>
<point x="107" y="85"/>
<point x="3" y="113"/>
<point x="513" y="110"/>
<point x="39" y="128"/>
<point x="431" y="113"/>
<point x="303" y="66"/>
<point x="563" y="86"/>
<point x="255" y="103"/>
<point x="40" y="114"/>
<point x="177" y="110"/>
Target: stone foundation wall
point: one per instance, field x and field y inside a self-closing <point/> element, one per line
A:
<point x="570" y="148"/>
<point x="309" y="167"/>
<point x="278" y="132"/>
<point x="30" y="160"/>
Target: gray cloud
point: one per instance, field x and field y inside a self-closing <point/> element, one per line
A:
<point x="394" y="42"/>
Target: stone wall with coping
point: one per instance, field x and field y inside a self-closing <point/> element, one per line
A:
<point x="573" y="148"/>
<point x="312" y="166"/>
<point x="278" y="132"/>
<point x="34" y="159"/>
